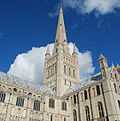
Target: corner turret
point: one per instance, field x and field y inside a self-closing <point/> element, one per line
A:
<point x="104" y="66"/>
<point x="75" y="55"/>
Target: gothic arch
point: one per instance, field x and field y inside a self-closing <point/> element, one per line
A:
<point x="74" y="115"/>
<point x="100" y="109"/>
<point x="87" y="111"/>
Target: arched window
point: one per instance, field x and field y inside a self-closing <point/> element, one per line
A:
<point x="64" y="119"/>
<point x="20" y="101"/>
<point x="74" y="73"/>
<point x="93" y="89"/>
<point x="74" y="115"/>
<point x="55" y="67"/>
<point x="69" y="72"/>
<point x="85" y="94"/>
<point x="75" y="99"/>
<point x="100" y="109"/>
<point x="115" y="88"/>
<point x="2" y="97"/>
<point x="98" y="90"/>
<point x="64" y="69"/>
<point x="87" y="111"/>
<point x="81" y="96"/>
<point x="65" y="81"/>
<point x="36" y="105"/>
<point x="64" y="106"/>
<point x="116" y="76"/>
<point x="51" y="118"/>
<point x="51" y="103"/>
<point x="119" y="104"/>
<point x="56" y="50"/>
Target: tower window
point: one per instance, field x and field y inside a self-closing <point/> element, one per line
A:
<point x="55" y="67"/>
<point x="75" y="101"/>
<point x="98" y="89"/>
<point x="86" y="95"/>
<point x="115" y="88"/>
<point x="64" y="106"/>
<point x="56" y="50"/>
<point x="116" y="76"/>
<point x="65" y="82"/>
<point x="2" y="97"/>
<point x="100" y="109"/>
<point x="69" y="72"/>
<point x="64" y="69"/>
<point x="74" y="73"/>
<point x="36" y="105"/>
<point x="81" y="96"/>
<point x="87" y="111"/>
<point x="119" y="103"/>
<point x="51" y="103"/>
<point x="64" y="119"/>
<point x="20" y="101"/>
<point x="51" y="118"/>
<point x="93" y="91"/>
<point x="74" y="115"/>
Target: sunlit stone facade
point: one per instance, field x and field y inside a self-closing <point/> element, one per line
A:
<point x="64" y="97"/>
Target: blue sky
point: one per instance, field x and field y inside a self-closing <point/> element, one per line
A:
<point x="27" y="23"/>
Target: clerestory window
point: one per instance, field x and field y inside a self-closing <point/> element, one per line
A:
<point x="20" y="101"/>
<point x="2" y="97"/>
<point x="51" y="103"/>
<point x="36" y="105"/>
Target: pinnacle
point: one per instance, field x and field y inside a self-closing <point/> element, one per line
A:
<point x="61" y="32"/>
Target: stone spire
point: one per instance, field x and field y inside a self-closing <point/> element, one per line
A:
<point x="61" y="32"/>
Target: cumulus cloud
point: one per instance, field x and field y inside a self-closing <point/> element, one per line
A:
<point x="87" y="6"/>
<point x="29" y="66"/>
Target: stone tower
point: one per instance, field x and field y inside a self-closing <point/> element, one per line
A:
<point x="103" y="66"/>
<point x="61" y="69"/>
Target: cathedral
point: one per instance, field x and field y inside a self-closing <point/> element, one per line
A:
<point x="65" y="97"/>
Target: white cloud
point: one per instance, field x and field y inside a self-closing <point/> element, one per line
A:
<point x="29" y="66"/>
<point x="88" y="6"/>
